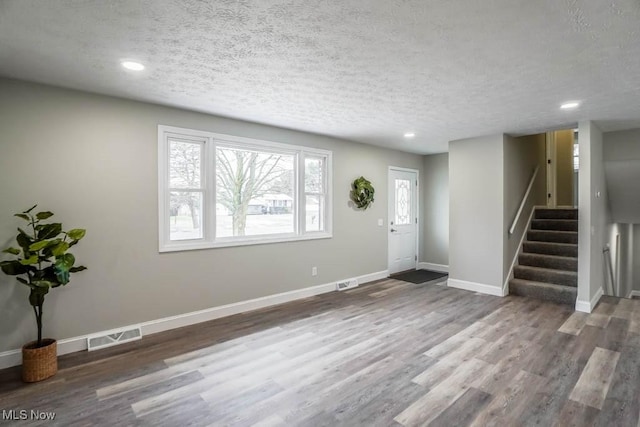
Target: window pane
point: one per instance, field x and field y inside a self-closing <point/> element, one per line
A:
<point x="185" y="216"/>
<point x="184" y="164"/>
<point x="403" y="202"/>
<point x="314" y="209"/>
<point x="254" y="193"/>
<point x="313" y="175"/>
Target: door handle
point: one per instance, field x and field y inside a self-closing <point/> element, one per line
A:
<point x="393" y="230"/>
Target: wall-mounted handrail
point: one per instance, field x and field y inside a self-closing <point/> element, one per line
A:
<point x="524" y="200"/>
<point x="606" y="251"/>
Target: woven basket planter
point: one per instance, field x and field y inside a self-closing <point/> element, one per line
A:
<point x="39" y="363"/>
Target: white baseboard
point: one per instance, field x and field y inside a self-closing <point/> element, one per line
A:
<point x="634" y="294"/>
<point x="72" y="345"/>
<point x="10" y="358"/>
<point x="588" y="306"/>
<point x="476" y="287"/>
<point x="435" y="267"/>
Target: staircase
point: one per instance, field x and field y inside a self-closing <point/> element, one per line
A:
<point x="548" y="263"/>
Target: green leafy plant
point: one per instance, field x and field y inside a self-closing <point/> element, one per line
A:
<point x="362" y="192"/>
<point x="42" y="261"/>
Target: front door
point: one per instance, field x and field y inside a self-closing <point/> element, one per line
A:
<point x="402" y="220"/>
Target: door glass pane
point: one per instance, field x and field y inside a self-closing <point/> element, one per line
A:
<point x="184" y="164"/>
<point x="403" y="202"/>
<point x="255" y="192"/>
<point x="185" y="215"/>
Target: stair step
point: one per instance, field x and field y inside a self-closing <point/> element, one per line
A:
<point x="552" y="236"/>
<point x="544" y="213"/>
<point x="549" y="261"/>
<point x="555" y="224"/>
<point x="544" y="291"/>
<point x="549" y="248"/>
<point x="546" y="275"/>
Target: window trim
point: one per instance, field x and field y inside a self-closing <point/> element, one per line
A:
<point x="208" y="183"/>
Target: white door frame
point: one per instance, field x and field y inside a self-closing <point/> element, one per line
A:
<point x="418" y="217"/>
<point x="550" y="158"/>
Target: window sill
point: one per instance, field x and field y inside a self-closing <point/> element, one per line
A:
<point x="198" y="245"/>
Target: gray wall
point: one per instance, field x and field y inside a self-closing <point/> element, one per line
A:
<point x="435" y="190"/>
<point x="93" y="161"/>
<point x="622" y="166"/>
<point x="622" y="145"/>
<point x="476" y="210"/>
<point x="521" y="157"/>
<point x="488" y="178"/>
<point x="593" y="213"/>
<point x="621" y="152"/>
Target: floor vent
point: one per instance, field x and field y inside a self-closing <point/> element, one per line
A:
<point x="346" y="284"/>
<point x="114" y="337"/>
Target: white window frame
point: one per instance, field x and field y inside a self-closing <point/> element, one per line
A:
<point x="210" y="141"/>
<point x="302" y="195"/>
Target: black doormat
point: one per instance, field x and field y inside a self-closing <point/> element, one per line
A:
<point x="419" y="276"/>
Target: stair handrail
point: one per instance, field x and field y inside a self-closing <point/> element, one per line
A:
<point x="524" y="200"/>
<point x="615" y="289"/>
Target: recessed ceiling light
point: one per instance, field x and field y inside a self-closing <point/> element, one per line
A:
<point x="569" y="105"/>
<point x="132" y="65"/>
<point x="409" y="134"/>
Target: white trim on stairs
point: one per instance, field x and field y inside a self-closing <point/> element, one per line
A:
<point x="70" y="345"/>
<point x="588" y="306"/>
<point x="476" y="287"/>
<point x="435" y="267"/>
<point x="505" y="285"/>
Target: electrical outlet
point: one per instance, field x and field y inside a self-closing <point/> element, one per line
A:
<point x="314" y="271"/>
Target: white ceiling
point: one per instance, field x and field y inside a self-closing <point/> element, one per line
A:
<point x="364" y="70"/>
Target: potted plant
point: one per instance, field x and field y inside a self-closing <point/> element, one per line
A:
<point x="42" y="263"/>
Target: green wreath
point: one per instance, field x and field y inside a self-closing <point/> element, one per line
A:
<point x="362" y="192"/>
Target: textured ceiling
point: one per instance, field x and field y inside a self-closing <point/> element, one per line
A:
<point x="364" y="70"/>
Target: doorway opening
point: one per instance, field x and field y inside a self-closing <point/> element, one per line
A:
<point x="562" y="152"/>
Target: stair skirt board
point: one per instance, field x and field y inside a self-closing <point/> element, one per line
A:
<point x="548" y="259"/>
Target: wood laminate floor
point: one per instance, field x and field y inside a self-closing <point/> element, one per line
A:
<point x="385" y="354"/>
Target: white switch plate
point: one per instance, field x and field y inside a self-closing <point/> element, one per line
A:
<point x="380" y="222"/>
<point x="314" y="271"/>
